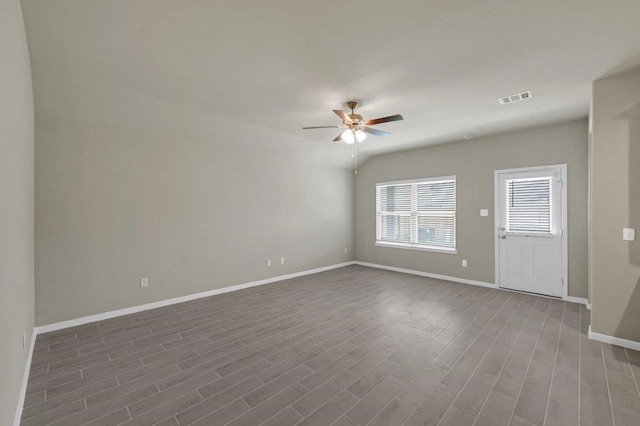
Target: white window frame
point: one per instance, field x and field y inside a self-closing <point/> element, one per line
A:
<point x="413" y="245"/>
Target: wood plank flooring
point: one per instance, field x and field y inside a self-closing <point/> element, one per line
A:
<point x="351" y="346"/>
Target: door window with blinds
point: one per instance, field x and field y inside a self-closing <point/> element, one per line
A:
<point x="418" y="214"/>
<point x="529" y="205"/>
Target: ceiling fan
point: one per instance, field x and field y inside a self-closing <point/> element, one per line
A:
<point x="356" y="127"/>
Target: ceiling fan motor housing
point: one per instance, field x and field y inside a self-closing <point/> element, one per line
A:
<point x="357" y="118"/>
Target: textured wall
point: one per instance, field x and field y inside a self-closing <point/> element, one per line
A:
<point x="473" y="162"/>
<point x="136" y="178"/>
<point x="16" y="205"/>
<point x="131" y="186"/>
<point x="615" y="204"/>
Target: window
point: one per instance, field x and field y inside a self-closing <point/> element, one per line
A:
<point x="418" y="214"/>
<point x="529" y="206"/>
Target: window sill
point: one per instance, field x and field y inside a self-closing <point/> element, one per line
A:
<point x="415" y="247"/>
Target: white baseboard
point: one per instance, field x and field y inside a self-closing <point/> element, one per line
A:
<point x="428" y="274"/>
<point x="605" y="338"/>
<point x="572" y="299"/>
<point x="25" y="380"/>
<point x="134" y="309"/>
<point x="580" y="300"/>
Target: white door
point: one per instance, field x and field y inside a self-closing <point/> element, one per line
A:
<point x="530" y="231"/>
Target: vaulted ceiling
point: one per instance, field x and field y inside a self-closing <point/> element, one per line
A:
<point x="285" y="64"/>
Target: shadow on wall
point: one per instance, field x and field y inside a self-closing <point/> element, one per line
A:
<point x="631" y="118"/>
<point x="630" y="314"/>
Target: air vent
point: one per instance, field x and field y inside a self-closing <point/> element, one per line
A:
<point x="515" y="98"/>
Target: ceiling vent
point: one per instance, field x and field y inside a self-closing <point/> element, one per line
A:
<point x="515" y="98"/>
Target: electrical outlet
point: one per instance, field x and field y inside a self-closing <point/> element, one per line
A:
<point x="282" y="260"/>
<point x="268" y="262"/>
<point x="346" y="250"/>
<point x="144" y="282"/>
<point x="464" y="263"/>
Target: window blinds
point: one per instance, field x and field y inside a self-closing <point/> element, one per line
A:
<point x="529" y="205"/>
<point x="395" y="204"/>
<point x="420" y="213"/>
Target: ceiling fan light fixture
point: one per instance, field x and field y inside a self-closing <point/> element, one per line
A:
<point x="348" y="136"/>
<point x="360" y="135"/>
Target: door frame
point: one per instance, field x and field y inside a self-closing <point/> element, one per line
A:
<point x="564" y="265"/>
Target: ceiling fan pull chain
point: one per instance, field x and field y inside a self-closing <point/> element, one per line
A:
<point x="355" y="157"/>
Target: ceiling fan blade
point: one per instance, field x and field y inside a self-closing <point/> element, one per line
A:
<point x="339" y="137"/>
<point x="396" y="117"/>
<point x="375" y="132"/>
<point x="323" y="127"/>
<point x="344" y="116"/>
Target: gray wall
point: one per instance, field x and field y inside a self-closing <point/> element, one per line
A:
<point x="16" y="205"/>
<point x="131" y="186"/>
<point x="473" y="162"/>
<point x="615" y="204"/>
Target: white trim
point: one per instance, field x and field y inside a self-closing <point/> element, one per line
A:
<point x="427" y="274"/>
<point x="565" y="237"/>
<point x="419" y="180"/>
<point x="496" y="228"/>
<point x="25" y="380"/>
<point x="571" y="299"/>
<point x="414" y="214"/>
<point x="134" y="309"/>
<point x="580" y="300"/>
<point x="565" y="243"/>
<point x="605" y="338"/>
<point x="409" y="246"/>
<point x="589" y="220"/>
<point x="531" y="169"/>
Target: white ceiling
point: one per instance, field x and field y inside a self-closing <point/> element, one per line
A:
<point x="286" y="64"/>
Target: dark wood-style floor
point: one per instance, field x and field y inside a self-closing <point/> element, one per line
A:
<point x="351" y="346"/>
